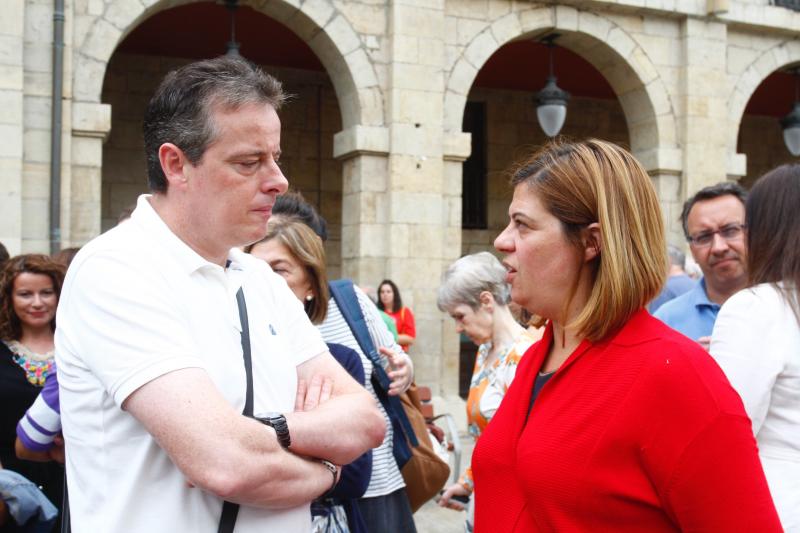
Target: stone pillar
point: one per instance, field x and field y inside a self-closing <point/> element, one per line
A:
<point x="703" y="113"/>
<point x="664" y="166"/>
<point x="457" y="148"/>
<point x="12" y="23"/>
<point x="81" y="192"/>
<point x="417" y="206"/>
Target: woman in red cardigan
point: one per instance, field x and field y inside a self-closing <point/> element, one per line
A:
<point x="614" y="422"/>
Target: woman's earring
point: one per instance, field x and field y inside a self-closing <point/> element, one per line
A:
<point x="309" y="297"/>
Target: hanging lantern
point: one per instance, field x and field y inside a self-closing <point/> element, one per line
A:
<point x="233" y="47"/>
<point x="551" y="101"/>
<point x="791" y="122"/>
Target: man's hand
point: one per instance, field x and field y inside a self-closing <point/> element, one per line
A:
<point x="400" y="373"/>
<point x="55" y="453"/>
<point x="310" y="395"/>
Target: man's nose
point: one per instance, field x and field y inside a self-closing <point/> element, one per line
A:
<point x="718" y="243"/>
<point x="274" y="180"/>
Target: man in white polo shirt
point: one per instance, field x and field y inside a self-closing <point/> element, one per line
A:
<point x="150" y="346"/>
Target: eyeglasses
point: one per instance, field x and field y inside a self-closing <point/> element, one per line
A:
<point x="731" y="232"/>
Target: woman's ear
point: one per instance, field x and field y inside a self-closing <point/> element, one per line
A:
<point x="592" y="242"/>
<point x="487" y="300"/>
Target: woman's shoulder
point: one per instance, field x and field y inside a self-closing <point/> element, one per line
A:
<point x="679" y="366"/>
<point x="762" y="298"/>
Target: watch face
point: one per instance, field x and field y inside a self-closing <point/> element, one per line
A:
<point x="269" y="414"/>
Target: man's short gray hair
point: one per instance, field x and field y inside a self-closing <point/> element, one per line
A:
<point x="676" y="256"/>
<point x="468" y="277"/>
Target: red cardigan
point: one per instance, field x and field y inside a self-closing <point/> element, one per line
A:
<point x="641" y="432"/>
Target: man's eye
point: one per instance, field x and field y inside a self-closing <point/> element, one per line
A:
<point x="703" y="238"/>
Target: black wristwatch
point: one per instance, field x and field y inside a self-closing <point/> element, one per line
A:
<point x="277" y="422"/>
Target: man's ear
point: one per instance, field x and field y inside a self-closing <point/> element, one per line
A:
<point x="174" y="164"/>
<point x="592" y="242"/>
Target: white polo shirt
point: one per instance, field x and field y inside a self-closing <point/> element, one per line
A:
<point x="139" y="303"/>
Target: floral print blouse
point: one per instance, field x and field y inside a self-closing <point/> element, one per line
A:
<point x="489" y="384"/>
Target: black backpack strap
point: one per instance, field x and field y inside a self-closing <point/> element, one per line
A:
<point x="227" y="520"/>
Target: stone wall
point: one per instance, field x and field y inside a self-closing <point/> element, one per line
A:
<point x="306" y="139"/>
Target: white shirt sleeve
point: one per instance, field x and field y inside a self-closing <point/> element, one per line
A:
<point x="746" y="345"/>
<point x="120" y="325"/>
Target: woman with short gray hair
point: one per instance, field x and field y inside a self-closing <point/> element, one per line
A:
<point x="474" y="292"/>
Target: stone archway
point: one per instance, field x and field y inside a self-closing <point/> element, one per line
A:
<point x="327" y="32"/>
<point x="624" y="63"/>
<point x="643" y="95"/>
<point x="746" y="84"/>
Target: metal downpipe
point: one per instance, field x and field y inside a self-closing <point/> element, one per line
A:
<point x="56" y="125"/>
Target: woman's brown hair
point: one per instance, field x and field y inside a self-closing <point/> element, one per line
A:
<point x="596" y="181"/>
<point x="773" y="232"/>
<point x="10" y="326"/>
<point x="307" y="248"/>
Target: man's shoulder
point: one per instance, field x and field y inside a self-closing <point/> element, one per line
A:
<point x="122" y="245"/>
<point x="680" y="284"/>
<point x="676" y="307"/>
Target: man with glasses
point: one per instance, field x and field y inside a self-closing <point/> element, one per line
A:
<point x="713" y="222"/>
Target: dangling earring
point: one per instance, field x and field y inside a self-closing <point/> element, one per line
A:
<point x="309" y="297"/>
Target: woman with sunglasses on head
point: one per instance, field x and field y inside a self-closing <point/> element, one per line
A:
<point x="294" y="251"/>
<point x="756" y="337"/>
<point x="614" y="422"/>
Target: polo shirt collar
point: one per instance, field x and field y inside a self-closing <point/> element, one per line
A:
<point x="699" y="297"/>
<point x="156" y="229"/>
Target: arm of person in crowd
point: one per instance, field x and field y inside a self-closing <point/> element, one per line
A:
<point x="401" y="368"/>
<point x="355" y="476"/>
<point x="219" y="450"/>
<point x="407" y="331"/>
<point x="718" y="483"/>
<point x="338" y="425"/>
<point x="751" y="362"/>
<point x="39" y="431"/>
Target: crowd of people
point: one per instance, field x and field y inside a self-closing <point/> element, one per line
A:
<point x="195" y="369"/>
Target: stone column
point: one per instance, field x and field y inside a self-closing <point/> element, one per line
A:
<point x="664" y="166"/>
<point x="457" y="148"/>
<point x="703" y="116"/>
<point x="12" y="23"/>
<point x="417" y="202"/>
<point x="81" y="192"/>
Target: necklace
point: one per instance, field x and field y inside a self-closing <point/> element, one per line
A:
<point x="36" y="366"/>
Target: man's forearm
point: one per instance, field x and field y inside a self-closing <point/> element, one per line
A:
<point x="291" y="482"/>
<point x="338" y="430"/>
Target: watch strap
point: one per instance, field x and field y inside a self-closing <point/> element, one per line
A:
<point x="278" y="423"/>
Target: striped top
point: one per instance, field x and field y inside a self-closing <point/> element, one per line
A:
<point x="386" y="477"/>
<point x="42" y="422"/>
